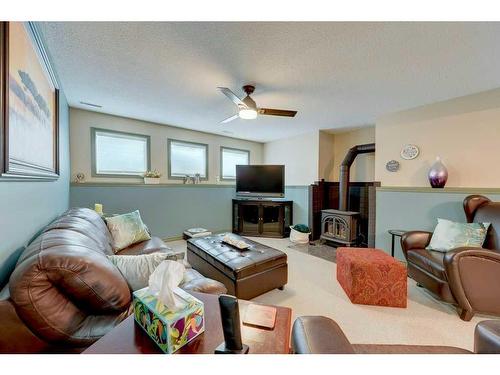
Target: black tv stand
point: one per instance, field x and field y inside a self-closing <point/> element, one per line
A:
<point x="260" y="199"/>
<point x="262" y="217"/>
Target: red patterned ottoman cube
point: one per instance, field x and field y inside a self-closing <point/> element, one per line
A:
<point x="371" y="277"/>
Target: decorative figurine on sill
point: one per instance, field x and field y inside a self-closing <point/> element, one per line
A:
<point x="79" y="178"/>
<point x="197" y="178"/>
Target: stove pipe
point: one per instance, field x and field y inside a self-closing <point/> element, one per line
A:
<point x="345" y="168"/>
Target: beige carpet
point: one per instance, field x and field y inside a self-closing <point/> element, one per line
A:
<point x="312" y="289"/>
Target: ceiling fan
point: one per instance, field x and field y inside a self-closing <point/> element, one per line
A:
<point x="247" y="108"/>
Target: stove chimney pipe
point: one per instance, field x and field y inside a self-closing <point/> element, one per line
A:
<point x="345" y="168"/>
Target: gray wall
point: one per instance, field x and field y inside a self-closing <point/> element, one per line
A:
<point x="26" y="207"/>
<point x="169" y="210"/>
<point x="417" y="210"/>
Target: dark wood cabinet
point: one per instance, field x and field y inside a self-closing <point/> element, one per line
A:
<point x="262" y="217"/>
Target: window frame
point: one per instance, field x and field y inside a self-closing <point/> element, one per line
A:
<point x="221" y="162"/>
<point x="169" y="149"/>
<point x="93" y="135"/>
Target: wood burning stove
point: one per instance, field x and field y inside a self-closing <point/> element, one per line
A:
<point x="340" y="226"/>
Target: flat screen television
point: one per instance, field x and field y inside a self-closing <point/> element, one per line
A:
<point x="260" y="180"/>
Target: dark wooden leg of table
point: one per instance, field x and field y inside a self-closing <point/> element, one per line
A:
<point x="392" y="245"/>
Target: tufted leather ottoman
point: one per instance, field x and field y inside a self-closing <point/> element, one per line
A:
<point x="245" y="273"/>
<point x="371" y="277"/>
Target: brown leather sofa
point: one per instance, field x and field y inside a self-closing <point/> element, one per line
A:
<point x="65" y="293"/>
<point x="466" y="277"/>
<point x="321" y="335"/>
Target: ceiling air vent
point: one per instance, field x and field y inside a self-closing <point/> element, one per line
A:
<point x="91" y="104"/>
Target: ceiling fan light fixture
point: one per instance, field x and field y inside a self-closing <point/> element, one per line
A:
<point x="247" y="113"/>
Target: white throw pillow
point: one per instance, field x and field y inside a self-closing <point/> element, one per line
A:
<point x="449" y="235"/>
<point x="137" y="268"/>
<point x="127" y="230"/>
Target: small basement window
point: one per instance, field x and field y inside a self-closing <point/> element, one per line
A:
<point x="119" y="154"/>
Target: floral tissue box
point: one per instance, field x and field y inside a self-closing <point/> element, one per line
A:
<point x="169" y="330"/>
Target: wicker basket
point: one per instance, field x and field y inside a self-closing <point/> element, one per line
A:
<point x="299" y="237"/>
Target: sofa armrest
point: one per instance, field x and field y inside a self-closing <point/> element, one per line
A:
<point x="473" y="274"/>
<point x="195" y="282"/>
<point x="487" y="337"/>
<point x="319" y="335"/>
<point x="16" y="337"/>
<point x="416" y="239"/>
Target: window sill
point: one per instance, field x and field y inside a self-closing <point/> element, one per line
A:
<point x="141" y="184"/>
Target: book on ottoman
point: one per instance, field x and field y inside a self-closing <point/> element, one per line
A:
<point x="169" y="330"/>
<point x="196" y="232"/>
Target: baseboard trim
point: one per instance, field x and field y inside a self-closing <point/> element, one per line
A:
<point x="449" y="190"/>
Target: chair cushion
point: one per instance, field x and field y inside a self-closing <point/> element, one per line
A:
<point x="428" y="260"/>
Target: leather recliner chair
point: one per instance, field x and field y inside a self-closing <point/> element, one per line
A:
<point x="322" y="335"/>
<point x="65" y="293"/>
<point x="468" y="277"/>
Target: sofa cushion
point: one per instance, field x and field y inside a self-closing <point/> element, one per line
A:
<point x="428" y="260"/>
<point x="154" y="245"/>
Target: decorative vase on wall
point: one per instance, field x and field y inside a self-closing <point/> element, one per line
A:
<point x="438" y="174"/>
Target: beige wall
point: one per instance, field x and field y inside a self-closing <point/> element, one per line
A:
<point x="464" y="132"/>
<point x="299" y="155"/>
<point x="333" y="148"/>
<point x="326" y="162"/>
<point x="81" y="121"/>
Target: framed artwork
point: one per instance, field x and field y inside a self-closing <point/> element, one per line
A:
<point x="29" y="136"/>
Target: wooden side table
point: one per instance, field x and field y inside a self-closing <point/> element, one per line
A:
<point x="128" y="338"/>
<point x="395" y="233"/>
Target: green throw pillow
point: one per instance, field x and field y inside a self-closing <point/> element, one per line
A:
<point x="449" y="235"/>
<point x="127" y="230"/>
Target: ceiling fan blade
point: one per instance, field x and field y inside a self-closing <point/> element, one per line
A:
<point x="277" y="112"/>
<point x="232" y="96"/>
<point x="229" y="119"/>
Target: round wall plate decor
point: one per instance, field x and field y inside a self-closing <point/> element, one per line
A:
<point x="409" y="152"/>
<point x="392" y="166"/>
